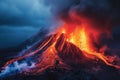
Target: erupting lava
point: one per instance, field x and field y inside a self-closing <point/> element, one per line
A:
<point x="80" y="37"/>
<point x="70" y="45"/>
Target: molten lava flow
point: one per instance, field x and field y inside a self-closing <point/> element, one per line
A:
<point x="80" y="37"/>
<point x="69" y="46"/>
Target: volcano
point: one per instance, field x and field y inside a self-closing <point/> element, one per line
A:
<point x="63" y="55"/>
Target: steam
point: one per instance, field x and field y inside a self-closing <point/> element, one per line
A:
<point x="95" y="14"/>
<point x="15" y="67"/>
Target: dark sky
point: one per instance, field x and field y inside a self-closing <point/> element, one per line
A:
<point x="20" y="19"/>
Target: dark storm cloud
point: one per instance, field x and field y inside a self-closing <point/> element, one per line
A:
<point x="24" y="13"/>
<point x="20" y="19"/>
<point x="14" y="36"/>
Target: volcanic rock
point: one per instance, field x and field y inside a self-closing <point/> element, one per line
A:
<point x="68" y="52"/>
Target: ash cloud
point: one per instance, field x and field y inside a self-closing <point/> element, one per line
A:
<point x="102" y="13"/>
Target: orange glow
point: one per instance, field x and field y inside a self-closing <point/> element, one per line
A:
<point x="79" y="37"/>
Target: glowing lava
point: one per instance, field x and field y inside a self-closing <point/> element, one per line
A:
<point x="70" y="45"/>
<point x="80" y="37"/>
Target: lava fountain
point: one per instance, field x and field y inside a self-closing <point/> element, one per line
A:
<point x="80" y="37"/>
